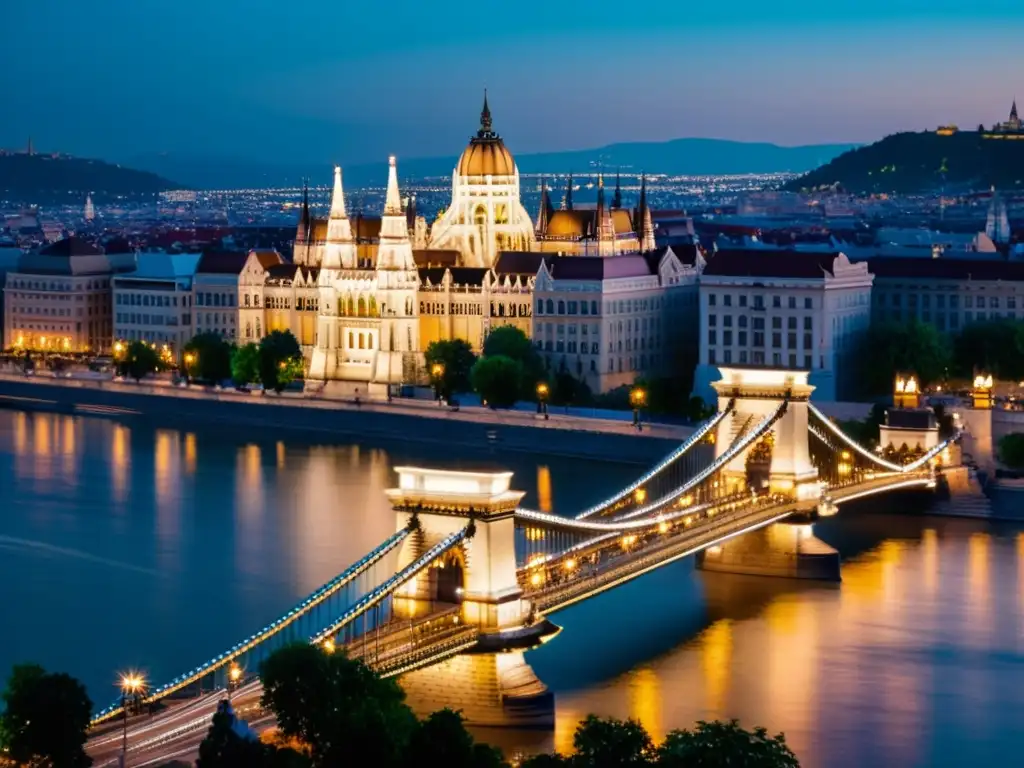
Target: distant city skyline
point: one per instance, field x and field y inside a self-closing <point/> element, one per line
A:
<point x="352" y="82"/>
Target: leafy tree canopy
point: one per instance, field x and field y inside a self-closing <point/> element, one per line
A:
<point x="888" y="348"/>
<point x="138" y="360"/>
<point x="498" y="380"/>
<point x="210" y="357"/>
<point x="993" y="346"/>
<point x="457" y="358"/>
<point x="45" y="718"/>
<point x="245" y="364"/>
<point x="1011" y="450"/>
<point x="725" y="745"/>
<point x="508" y="341"/>
<point x="280" y="360"/>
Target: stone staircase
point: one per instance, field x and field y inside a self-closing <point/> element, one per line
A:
<point x="966" y="497"/>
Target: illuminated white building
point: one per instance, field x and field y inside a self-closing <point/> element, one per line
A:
<point x="367" y="334"/>
<point x="486" y="215"/>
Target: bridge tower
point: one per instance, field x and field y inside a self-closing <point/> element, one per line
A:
<point x="758" y="393"/>
<point x="479" y="575"/>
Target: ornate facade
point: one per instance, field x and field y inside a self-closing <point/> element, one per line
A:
<point x="486" y="215"/>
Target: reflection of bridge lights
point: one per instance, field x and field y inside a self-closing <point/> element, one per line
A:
<point x="570" y="564"/>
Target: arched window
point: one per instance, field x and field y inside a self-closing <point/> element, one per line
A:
<point x="408" y="339"/>
<point x="256" y="300"/>
<point x="248" y="329"/>
<point x="373" y="307"/>
<point x="408" y="307"/>
<point x="259" y="331"/>
<point x="350" y="307"/>
<point x="551" y="307"/>
<point x="362" y="307"/>
<point x="351" y="340"/>
<point x="247" y="299"/>
<point x="362" y="341"/>
<point x="422" y="308"/>
<point x="561" y="307"/>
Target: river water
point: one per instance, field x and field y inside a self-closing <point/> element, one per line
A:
<point x="128" y="546"/>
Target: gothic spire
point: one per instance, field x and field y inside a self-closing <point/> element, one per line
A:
<point x="338" y="196"/>
<point x="302" y="233"/>
<point x="617" y="197"/>
<point x="486" y="130"/>
<point x="544" y="214"/>
<point x="1013" y="111"/>
<point x="567" y="202"/>
<point x="392" y="201"/>
<point x="643" y="225"/>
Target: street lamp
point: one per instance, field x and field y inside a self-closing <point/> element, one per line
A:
<point x="234" y="676"/>
<point x="542" y="399"/>
<point x="132" y="685"/>
<point x="437" y="374"/>
<point x="637" y="398"/>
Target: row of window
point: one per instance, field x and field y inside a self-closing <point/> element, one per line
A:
<point x="758" y="339"/>
<point x="42" y="285"/>
<point x="149" y="300"/>
<point x="209" y="299"/>
<point x="756" y="357"/>
<point x="137" y="318"/>
<point x="758" y="301"/>
<point x="970" y="302"/>
<point x="498" y="309"/>
<point x="792" y="323"/>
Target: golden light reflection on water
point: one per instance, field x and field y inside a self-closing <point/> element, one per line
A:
<point x="716" y="664"/>
<point x="190" y="453"/>
<point x="69" y="448"/>
<point x="544" y="488"/>
<point x="120" y="461"/>
<point x="280" y="454"/>
<point x="42" y="445"/>
<point x="168" y="506"/>
<point x="645" y="701"/>
<point x="930" y="555"/>
<point x="979" y="561"/>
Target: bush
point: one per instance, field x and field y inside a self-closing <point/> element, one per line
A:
<point x="498" y="380"/>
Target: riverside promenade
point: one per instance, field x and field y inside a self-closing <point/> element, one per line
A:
<point x="402" y="418"/>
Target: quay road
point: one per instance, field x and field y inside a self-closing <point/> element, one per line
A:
<point x="404" y="406"/>
<point x="175" y="734"/>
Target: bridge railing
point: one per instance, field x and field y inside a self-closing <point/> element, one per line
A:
<point x="702" y="432"/>
<point x="302" y="609"/>
<point x="392" y="584"/>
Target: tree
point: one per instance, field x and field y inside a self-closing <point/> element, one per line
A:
<point x="611" y="742"/>
<point x="510" y="342"/>
<point x="566" y="389"/>
<point x="280" y="360"/>
<point x="889" y="348"/>
<point x="1011" y="450"/>
<point x="245" y="364"/>
<point x="339" y="707"/>
<point x="725" y="745"/>
<point x="442" y="740"/>
<point x="498" y="380"/>
<point x="457" y="358"/>
<point x="993" y="346"/>
<point x="229" y="744"/>
<point x="208" y="357"/>
<point x="45" y="718"/>
<point x="139" y="360"/>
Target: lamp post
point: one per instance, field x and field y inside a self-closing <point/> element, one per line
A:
<point x="132" y="684"/>
<point x="637" y="398"/>
<point x="234" y="677"/>
<point x="190" y="358"/>
<point x="542" y="399"/>
<point x="437" y="374"/>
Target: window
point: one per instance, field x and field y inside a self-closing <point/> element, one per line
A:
<point x="791" y="323"/>
<point x="808" y="324"/>
<point x="711" y="299"/>
<point x="711" y="357"/>
<point x="791" y="341"/>
<point x="808" y="303"/>
<point x="758" y="302"/>
<point x="758" y="338"/>
<point x="808" y="340"/>
<point x="712" y="321"/>
<point x="807" y="362"/>
<point x="727" y="321"/>
<point x="727" y="356"/>
<point x="727" y="300"/>
<point x="712" y="337"/>
<point x="792" y="302"/>
<point x="727" y="337"/>
<point x="776" y="302"/>
<point x="743" y="338"/>
<point x="776" y="340"/>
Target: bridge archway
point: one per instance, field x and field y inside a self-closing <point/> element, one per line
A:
<point x="448" y="577"/>
<point x="759" y="464"/>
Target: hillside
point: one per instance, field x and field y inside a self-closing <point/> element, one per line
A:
<point x="55" y="180"/>
<point x="923" y="162"/>
<point x="677" y="157"/>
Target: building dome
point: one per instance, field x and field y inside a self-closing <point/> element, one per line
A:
<point x="565" y="224"/>
<point x="486" y="154"/>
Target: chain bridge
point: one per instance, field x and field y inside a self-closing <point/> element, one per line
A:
<point x="469" y="570"/>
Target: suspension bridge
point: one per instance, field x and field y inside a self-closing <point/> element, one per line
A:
<point x="469" y="569"/>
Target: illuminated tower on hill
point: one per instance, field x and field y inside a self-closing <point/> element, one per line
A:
<point x="90" y="212"/>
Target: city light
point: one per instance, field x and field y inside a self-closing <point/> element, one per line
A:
<point x="329" y="646"/>
<point x="235" y="673"/>
<point x="132" y="683"/>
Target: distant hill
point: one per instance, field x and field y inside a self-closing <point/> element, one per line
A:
<point x="58" y="179"/>
<point x="676" y="157"/>
<point x="923" y="162"/>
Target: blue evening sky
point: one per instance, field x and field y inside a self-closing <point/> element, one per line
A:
<point x="352" y="81"/>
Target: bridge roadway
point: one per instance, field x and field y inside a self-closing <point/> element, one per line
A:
<point x="175" y="733"/>
<point x="725" y="523"/>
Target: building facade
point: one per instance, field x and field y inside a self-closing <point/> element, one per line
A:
<point x="609" y="320"/>
<point x="59" y="298"/>
<point x="153" y="303"/>
<point x="782" y="309"/>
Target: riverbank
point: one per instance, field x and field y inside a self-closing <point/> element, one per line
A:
<point x="416" y="421"/>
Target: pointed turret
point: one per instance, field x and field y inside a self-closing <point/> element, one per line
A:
<point x="567" y="200"/>
<point x="395" y="250"/>
<point x="617" y="197"/>
<point x="603" y="223"/>
<point x="393" y="201"/>
<point x="486" y="126"/>
<point x="410" y="211"/>
<point x="339" y="250"/>
<point x="1013" y="111"/>
<point x="545" y="211"/>
<point x="305" y="224"/>
<point x="90" y="212"/>
<point x="642" y="223"/>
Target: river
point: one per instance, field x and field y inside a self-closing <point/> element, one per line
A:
<point x="129" y="546"/>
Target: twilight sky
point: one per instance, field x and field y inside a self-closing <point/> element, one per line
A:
<point x="352" y="80"/>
